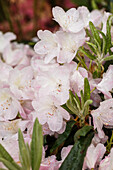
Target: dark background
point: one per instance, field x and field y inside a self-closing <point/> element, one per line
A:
<point x="25" y="17"/>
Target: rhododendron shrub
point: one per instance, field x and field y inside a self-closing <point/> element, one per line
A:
<point x="56" y="99"/>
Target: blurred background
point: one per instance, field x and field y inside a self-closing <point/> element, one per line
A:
<point x="25" y="17"/>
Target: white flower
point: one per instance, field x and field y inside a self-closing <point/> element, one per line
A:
<point x="48" y="110"/>
<point x="5" y="40"/>
<point x="103" y="116"/>
<point x="69" y="44"/>
<point x="20" y="83"/>
<point x="9" y="106"/>
<point x="10" y="128"/>
<point x="69" y="21"/>
<point x="54" y="82"/>
<point x="94" y="155"/>
<point x="47" y="46"/>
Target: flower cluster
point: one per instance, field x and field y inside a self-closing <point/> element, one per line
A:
<point x="35" y="83"/>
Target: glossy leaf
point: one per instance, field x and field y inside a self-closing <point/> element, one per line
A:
<point x="82" y="132"/>
<point x="61" y="138"/>
<point x="75" y="158"/>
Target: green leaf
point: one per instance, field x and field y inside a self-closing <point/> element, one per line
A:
<point x="6" y="156"/>
<point x="86" y="90"/>
<point x="108" y="32"/>
<point x="77" y="103"/>
<point x="87" y="53"/>
<point x="94" y="5"/>
<point x="81" y="60"/>
<point x="86" y="107"/>
<point x="95" y="34"/>
<point x="66" y="108"/>
<point x="82" y="98"/>
<point x="104" y="42"/>
<point x="77" y="98"/>
<point x="71" y="104"/>
<point x="24" y="153"/>
<point x="75" y="159"/>
<point x="81" y="2"/>
<point x="8" y="164"/>
<point x="36" y="145"/>
<point x="61" y="138"/>
<point x="93" y="47"/>
<point x="108" y="58"/>
<point x="82" y="132"/>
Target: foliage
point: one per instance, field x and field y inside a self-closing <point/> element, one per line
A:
<point x="30" y="156"/>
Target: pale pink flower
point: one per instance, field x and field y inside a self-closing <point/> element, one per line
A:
<point x="49" y="163"/>
<point x="48" y="110"/>
<point x="15" y="54"/>
<point x="69" y="21"/>
<point x="4" y="72"/>
<point x="103" y="116"/>
<point x="107" y="162"/>
<point x="104" y="21"/>
<point x="20" y="83"/>
<point x="47" y="46"/>
<point x="54" y="82"/>
<point x="10" y="128"/>
<point x="65" y="151"/>
<point x="11" y="145"/>
<point x="69" y="44"/>
<point x="84" y="14"/>
<point x="96" y="17"/>
<point x="94" y="155"/>
<point x="9" y="106"/>
<point x="77" y="79"/>
<point x="97" y="140"/>
<point x="106" y="85"/>
<point x="5" y="40"/>
<point x="39" y="65"/>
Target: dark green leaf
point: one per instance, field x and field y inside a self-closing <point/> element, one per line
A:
<point x="81" y="2"/>
<point x="36" y="145"/>
<point x="82" y="132"/>
<point x="75" y="159"/>
<point x="61" y="138"/>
